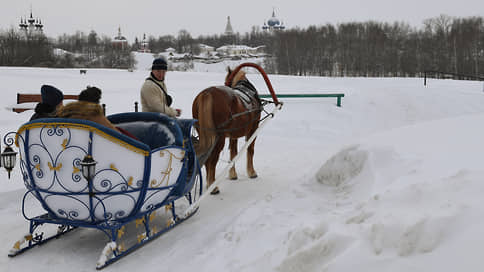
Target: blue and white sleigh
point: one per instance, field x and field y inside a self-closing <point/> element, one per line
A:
<point x="131" y="181"/>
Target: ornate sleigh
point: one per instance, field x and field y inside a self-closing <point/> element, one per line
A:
<point x="89" y="176"/>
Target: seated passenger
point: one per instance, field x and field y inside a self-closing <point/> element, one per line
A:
<point x="91" y="94"/>
<point x="51" y="103"/>
<point x="88" y="108"/>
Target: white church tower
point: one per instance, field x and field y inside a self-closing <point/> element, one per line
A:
<point x="228" y="28"/>
<point x="31" y="26"/>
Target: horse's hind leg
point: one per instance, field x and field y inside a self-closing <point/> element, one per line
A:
<point x="233" y="153"/>
<point x="250" y="160"/>
<point x="211" y="163"/>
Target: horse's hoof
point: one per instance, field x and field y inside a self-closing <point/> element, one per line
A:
<point x="215" y="191"/>
<point x="233" y="178"/>
<point x="253" y="176"/>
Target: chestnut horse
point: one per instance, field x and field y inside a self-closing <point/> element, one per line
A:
<point x="226" y="112"/>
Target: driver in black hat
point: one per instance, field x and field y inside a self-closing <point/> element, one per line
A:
<point x="154" y="96"/>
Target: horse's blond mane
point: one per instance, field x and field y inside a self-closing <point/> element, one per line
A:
<point x="238" y="77"/>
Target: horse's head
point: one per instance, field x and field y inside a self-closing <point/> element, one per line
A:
<point x="235" y="78"/>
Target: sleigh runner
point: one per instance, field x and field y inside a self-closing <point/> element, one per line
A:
<point x="86" y="175"/>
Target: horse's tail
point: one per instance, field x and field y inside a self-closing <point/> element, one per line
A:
<point x="203" y="111"/>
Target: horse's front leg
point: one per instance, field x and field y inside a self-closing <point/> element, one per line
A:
<point x="233" y="153"/>
<point x="250" y="160"/>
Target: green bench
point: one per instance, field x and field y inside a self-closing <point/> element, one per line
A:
<point x="337" y="95"/>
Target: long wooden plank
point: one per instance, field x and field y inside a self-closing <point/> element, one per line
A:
<point x="19" y="110"/>
<point x="28" y="98"/>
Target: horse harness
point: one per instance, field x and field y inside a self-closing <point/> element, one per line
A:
<point x="247" y="94"/>
<point x="251" y="100"/>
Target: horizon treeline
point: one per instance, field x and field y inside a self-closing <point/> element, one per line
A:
<point x="376" y="49"/>
<point x="89" y="51"/>
<point x="445" y="44"/>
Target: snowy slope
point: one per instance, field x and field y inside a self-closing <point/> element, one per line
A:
<point x="391" y="181"/>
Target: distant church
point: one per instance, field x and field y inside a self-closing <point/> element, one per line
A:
<point x="273" y="23"/>
<point x="229" y="31"/>
<point x="145" y="45"/>
<point x="120" y="42"/>
<point x="31" y="26"/>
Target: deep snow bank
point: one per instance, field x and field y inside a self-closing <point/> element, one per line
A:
<point x="412" y="191"/>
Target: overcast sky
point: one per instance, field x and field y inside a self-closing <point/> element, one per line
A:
<point x="158" y="17"/>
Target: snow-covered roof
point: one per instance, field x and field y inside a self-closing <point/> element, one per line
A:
<point x="60" y="52"/>
<point x="235" y="47"/>
<point x="204" y="46"/>
<point x="119" y="39"/>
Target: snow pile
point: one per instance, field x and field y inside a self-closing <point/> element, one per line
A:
<point x="414" y="206"/>
<point x="345" y="165"/>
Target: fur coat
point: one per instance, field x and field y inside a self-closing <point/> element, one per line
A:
<point x="87" y="111"/>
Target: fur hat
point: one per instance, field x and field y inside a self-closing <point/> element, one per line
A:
<point x="159" y="64"/>
<point x="51" y="95"/>
<point x="90" y="94"/>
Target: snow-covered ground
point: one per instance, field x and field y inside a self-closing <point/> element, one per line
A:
<point x="391" y="181"/>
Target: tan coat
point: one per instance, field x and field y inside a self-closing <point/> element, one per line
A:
<point x="153" y="99"/>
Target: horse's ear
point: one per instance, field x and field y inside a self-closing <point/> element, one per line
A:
<point x="229" y="70"/>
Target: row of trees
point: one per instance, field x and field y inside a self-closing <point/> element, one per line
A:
<point x="370" y="48"/>
<point x="18" y="48"/>
<point x="380" y="49"/>
<point x="350" y="49"/>
<point x="95" y="51"/>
